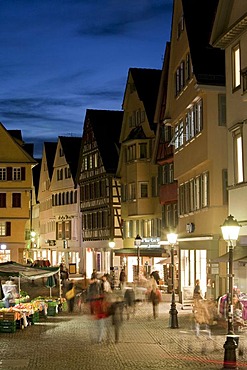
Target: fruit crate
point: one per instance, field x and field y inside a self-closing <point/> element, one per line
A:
<point x="10" y="316"/>
<point x="42" y="314"/>
<point x="52" y="310"/>
<point x="7" y="326"/>
<point x="34" y="317"/>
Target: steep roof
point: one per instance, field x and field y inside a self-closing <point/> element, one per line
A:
<point x="147" y="83"/>
<point x="106" y="125"/>
<point x="50" y="149"/>
<point x="208" y="62"/>
<point x="71" y="148"/>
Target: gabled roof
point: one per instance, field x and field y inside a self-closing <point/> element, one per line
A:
<point x="71" y="148"/>
<point x="147" y="83"/>
<point x="208" y="62"/>
<point x="50" y="150"/>
<point x="13" y="148"/>
<point x="106" y="125"/>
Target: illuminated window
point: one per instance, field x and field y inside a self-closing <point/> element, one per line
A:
<point x="3" y="174"/>
<point x="16" y="173"/>
<point x="238" y="147"/>
<point x="236" y="66"/>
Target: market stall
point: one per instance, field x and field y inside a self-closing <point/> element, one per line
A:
<point x="14" y="269"/>
<point x="19" y="312"/>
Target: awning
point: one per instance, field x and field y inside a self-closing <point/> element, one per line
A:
<point x="32" y="273"/>
<point x="164" y="261"/>
<point x="144" y="252"/>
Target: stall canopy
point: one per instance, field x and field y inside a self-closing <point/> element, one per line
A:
<point x="32" y="273"/>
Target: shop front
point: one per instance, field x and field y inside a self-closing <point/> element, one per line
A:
<point x="146" y="260"/>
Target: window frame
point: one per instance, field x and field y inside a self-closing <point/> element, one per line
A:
<point x="236" y="67"/>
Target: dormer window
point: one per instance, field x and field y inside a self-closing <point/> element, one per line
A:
<point x="180" y="26"/>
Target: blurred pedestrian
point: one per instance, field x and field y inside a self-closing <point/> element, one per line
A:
<point x="154" y="297"/>
<point x="122" y="279"/>
<point x="106" y="286"/>
<point x="101" y="311"/>
<point x="94" y="274"/>
<point x="70" y="296"/>
<point x="129" y="301"/>
<point x="117" y="316"/>
<point x="156" y="276"/>
<point x="93" y="291"/>
<point x="197" y="290"/>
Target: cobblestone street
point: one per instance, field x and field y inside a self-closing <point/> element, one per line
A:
<point x="65" y="341"/>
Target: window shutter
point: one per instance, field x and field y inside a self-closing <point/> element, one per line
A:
<point x="8" y="228"/>
<point x="9" y="173"/>
<point x="23" y="173"/>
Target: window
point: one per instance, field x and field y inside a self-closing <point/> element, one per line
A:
<point x="132" y="191"/>
<point x="198" y="117"/>
<point x="169" y="216"/>
<point x="5" y="228"/>
<point x="194" y="195"/>
<point x="60" y="231"/>
<point x="181" y="134"/>
<point x="16" y="173"/>
<point x="144" y="189"/>
<point x="238" y="148"/>
<point x="131" y="153"/>
<point x="67" y="173"/>
<point x="143" y="150"/>
<point x="180" y="78"/>
<point x="187" y="68"/>
<point x="222" y="109"/>
<point x="2" y="200"/>
<point x="180" y="27"/>
<point x="16" y="200"/>
<point x="3" y="174"/>
<point x="67" y="228"/>
<point x="236" y="68"/>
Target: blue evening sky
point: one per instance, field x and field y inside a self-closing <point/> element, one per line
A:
<point x="61" y="57"/>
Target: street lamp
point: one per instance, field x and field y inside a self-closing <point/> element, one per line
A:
<point x="230" y="231"/>
<point x="138" y="241"/>
<point x="172" y="240"/>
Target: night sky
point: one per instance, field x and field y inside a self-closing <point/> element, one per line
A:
<point x="61" y="57"/>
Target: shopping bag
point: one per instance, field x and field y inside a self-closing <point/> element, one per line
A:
<point x="70" y="294"/>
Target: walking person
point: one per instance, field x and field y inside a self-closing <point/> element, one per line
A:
<point x="154" y="297"/>
<point x="117" y="317"/>
<point x="122" y="279"/>
<point x="197" y="290"/>
<point x="70" y="296"/>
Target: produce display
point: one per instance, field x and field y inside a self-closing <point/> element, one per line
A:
<point x="23" y="314"/>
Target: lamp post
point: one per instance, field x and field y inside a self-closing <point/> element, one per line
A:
<point x="138" y="241"/>
<point x="172" y="239"/>
<point x="230" y="230"/>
